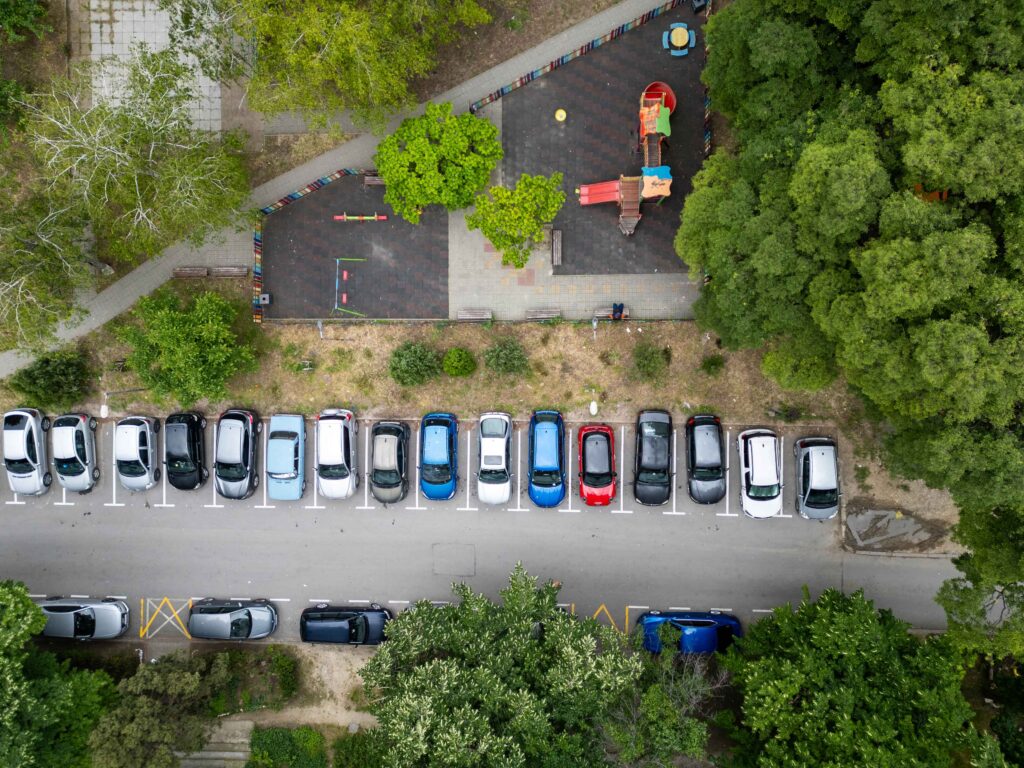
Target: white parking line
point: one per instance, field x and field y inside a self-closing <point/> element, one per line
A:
<point x="264" y="505"/>
<point x="679" y="608"/>
<point x="762" y="610"/>
<point x="37" y="595"/>
<point x="639" y="607"/>
<point x="117" y="597"/>
<point x="366" y="472"/>
<point x="280" y="599"/>
<point x="63" y="499"/>
<point x="723" y="610"/>
<point x="22" y="502"/>
<point x="79" y="597"/>
<point x="398" y="602"/>
<point x="417" y="473"/>
<point x="728" y="459"/>
<point x="675" y="464"/>
<point x="239" y="598"/>
<point x="194" y="598"/>
<point x="113" y="483"/>
<point x="319" y="599"/>
<point x="213" y="485"/>
<point x="782" y="470"/>
<point x="519" y="466"/>
<point x="163" y="478"/>
<point x="316" y="500"/>
<point x="361" y="602"/>
<point x="622" y="464"/>
<point x="568" y="485"/>
<point x="469" y="472"/>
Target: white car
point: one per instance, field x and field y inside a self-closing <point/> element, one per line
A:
<point x="74" y="451"/>
<point x="760" y="473"/>
<point x="337" y="454"/>
<point x="494" y="449"/>
<point x="135" y="452"/>
<point x="25" y="451"/>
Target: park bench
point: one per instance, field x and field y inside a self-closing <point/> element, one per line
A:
<point x="371" y="179"/>
<point x="229" y="271"/>
<point x="190" y="272"/>
<point x="475" y="315"/>
<point x="605" y="313"/>
<point x="556" y="247"/>
<point x="543" y="314"/>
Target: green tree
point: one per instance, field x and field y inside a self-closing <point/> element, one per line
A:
<point x="186" y="352"/>
<point x="516" y="683"/>
<point x="437" y="158"/>
<point x="413" y="363"/>
<point x="458" y="362"/>
<point x="513" y="219"/>
<point x="54" y="380"/>
<point x="21" y="17"/>
<point x="506" y="355"/>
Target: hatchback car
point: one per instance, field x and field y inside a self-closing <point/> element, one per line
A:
<point x="135" y="452"/>
<point x="323" y="623"/>
<point x="234" y="456"/>
<point x="817" y="478"/>
<point x="547" y="459"/>
<point x="760" y="473"/>
<point x="652" y="467"/>
<point x="213" y="619"/>
<point x="705" y="459"/>
<point x="337" y="454"/>
<point x="28" y="470"/>
<point x="74" y="451"/>
<point x="389" y="461"/>
<point x="494" y="452"/>
<point x="699" y="632"/>
<point x="185" y="450"/>
<point x="439" y="434"/>
<point x="286" y="457"/>
<point x="84" y="619"/>
<point x="597" y="464"/>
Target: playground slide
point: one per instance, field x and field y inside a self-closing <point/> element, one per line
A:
<point x="601" y="192"/>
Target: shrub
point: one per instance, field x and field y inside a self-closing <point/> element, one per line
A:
<point x="507" y="356"/>
<point x="413" y="363"/>
<point x="358" y="750"/>
<point x="55" y="380"/>
<point x="302" y="747"/>
<point x="285" y="667"/>
<point x="459" y="362"/>
<point x="651" y="361"/>
<point x="712" y="365"/>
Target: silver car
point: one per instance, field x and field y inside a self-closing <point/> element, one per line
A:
<point x="494" y="449"/>
<point x="74" y="451"/>
<point x="213" y="619"/>
<point x="389" y="461"/>
<point x="135" y="452"/>
<point x="337" y="453"/>
<point x="817" y="478"/>
<point x="85" y="619"/>
<point x="25" y="451"/>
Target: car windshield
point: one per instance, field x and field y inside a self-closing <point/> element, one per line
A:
<point x="180" y="464"/>
<point x="130" y="468"/>
<point x="822" y="498"/>
<point x="763" y="491"/>
<point x="706" y="473"/>
<point x="386" y="478"/>
<point x="18" y="466"/>
<point x="493" y="476"/>
<point x="652" y="476"/>
<point x="68" y="467"/>
<point x="357" y="628"/>
<point x="241" y="624"/>
<point x="437" y="473"/>
<point x="597" y="479"/>
<point x="546" y="478"/>
<point x="333" y="471"/>
<point x="230" y="471"/>
<point x="654" y="429"/>
<point x="85" y="623"/>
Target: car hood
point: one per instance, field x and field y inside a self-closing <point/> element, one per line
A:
<point x="707" y="491"/>
<point x="284" y="490"/>
<point x="184" y="481"/>
<point x="338" y="488"/>
<point x="494" y="493"/>
<point x="233" y="489"/>
<point x="547" y="497"/>
<point x="264" y="621"/>
<point x="598" y="497"/>
<point x="652" y="494"/>
<point x="77" y="483"/>
<point x="816" y="513"/>
<point x="26" y="485"/>
<point x="108" y="621"/>
<point x="141" y="483"/>
<point x="387" y="495"/>
<point x="762" y="508"/>
<point x="438" y="491"/>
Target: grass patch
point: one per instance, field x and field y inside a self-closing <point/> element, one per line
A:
<point x="302" y="747"/>
<point x="263" y="679"/>
<point x="650" y="362"/>
<point x="507" y="356"/>
<point x="358" y="750"/>
<point x="712" y="365"/>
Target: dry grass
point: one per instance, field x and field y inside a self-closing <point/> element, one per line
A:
<point x="282" y="152"/>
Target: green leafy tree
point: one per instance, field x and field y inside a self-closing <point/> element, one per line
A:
<point x="437" y="158"/>
<point x="55" y="380"/>
<point x="186" y="352"/>
<point x="507" y="356"/>
<point x="21" y="17"/>
<point x="835" y="682"/>
<point x="478" y="683"/>
<point x="513" y="219"/>
<point x="413" y="363"/>
<point x="459" y="362"/>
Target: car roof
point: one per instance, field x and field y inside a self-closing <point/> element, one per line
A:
<point x="707" y="445"/>
<point x="330" y="437"/>
<point x="281" y="453"/>
<point x="229" y="439"/>
<point x="492" y="451"/>
<point x="435" y="445"/>
<point x="763" y="447"/>
<point x="545" y="445"/>
<point x="126" y="438"/>
<point x="597" y="452"/>
<point x="14" y="440"/>
<point x="385" y="450"/>
<point x="823" y="467"/>
<point x="64" y="442"/>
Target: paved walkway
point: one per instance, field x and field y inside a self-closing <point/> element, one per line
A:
<point x="647" y="295"/>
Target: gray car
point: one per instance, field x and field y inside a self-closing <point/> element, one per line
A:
<point x="389" y="461"/>
<point x="213" y="619"/>
<point x="817" y="478"/>
<point x="135" y="452"/>
<point x="234" y="456"/>
<point x="74" y="451"/>
<point x="705" y="459"/>
<point x="84" y="619"/>
<point x="28" y="470"/>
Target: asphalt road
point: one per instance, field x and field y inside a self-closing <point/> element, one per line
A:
<point x="161" y="548"/>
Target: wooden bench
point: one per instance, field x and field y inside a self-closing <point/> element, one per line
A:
<point x="605" y="313"/>
<point x="475" y="315"/>
<point x="372" y="180"/>
<point x="229" y="271"/>
<point x="190" y="272"/>
<point x="543" y="314"/>
<point x="556" y="247"/>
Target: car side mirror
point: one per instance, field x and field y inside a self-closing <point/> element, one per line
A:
<point x="615" y="474"/>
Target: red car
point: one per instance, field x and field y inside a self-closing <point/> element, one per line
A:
<point x="597" y="464"/>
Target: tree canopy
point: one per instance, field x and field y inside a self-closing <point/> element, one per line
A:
<point x="513" y="219"/>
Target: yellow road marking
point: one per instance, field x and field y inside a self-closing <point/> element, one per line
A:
<point x="172" y="616"/>
<point x="603" y="609"/>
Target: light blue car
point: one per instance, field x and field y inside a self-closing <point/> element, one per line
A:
<point x="286" y="457"/>
<point x="439" y="465"/>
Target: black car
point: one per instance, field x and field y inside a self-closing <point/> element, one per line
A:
<point x="185" y="450"/>
<point x="652" y="471"/>
<point x="323" y="623"/>
<point x="705" y="459"/>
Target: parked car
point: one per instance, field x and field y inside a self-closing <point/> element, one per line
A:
<point x="337" y="453"/>
<point x="286" y="457"/>
<point x="74" y="451"/>
<point x="699" y="632"/>
<point x="389" y="461"/>
<point x="323" y="623"/>
<point x="28" y="471"/>
<point x="234" y="455"/>
<point x="494" y="458"/>
<point x="597" y="464"/>
<point x="135" y="452"/>
<point x="652" y="467"/>
<point x="760" y="473"/>
<point x="439" y="466"/>
<point x="817" y="478"/>
<point x="705" y="459"/>
<point x="84" y="619"/>
<point x="185" y="450"/>
<point x="547" y="459"/>
<point x="214" y="619"/>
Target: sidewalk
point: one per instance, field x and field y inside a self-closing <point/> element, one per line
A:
<point x="235" y="247"/>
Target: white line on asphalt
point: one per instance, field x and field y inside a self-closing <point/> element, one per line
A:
<point x="440" y="602"/>
<point x="319" y="599"/>
<point x="622" y="464"/>
<point x="728" y="459"/>
<point x="519" y="466"/>
<point x="213" y="485"/>
<point x="761" y="610"/>
<point x="782" y="469"/>
<point x="417" y="473"/>
<point x="194" y="598"/>
<point x="280" y="599"/>
<point x="398" y="602"/>
<point x="679" y="608"/>
<point x="113" y="484"/>
<point x="79" y="597"/>
<point x="366" y="472"/>
<point x="723" y="610"/>
<point x="359" y="601"/>
<point x="675" y="463"/>
<point x="639" y="607"/>
<point x="37" y="595"/>
<point x="163" y="478"/>
<point x="469" y="472"/>
<point x="239" y="598"/>
<point x="316" y="499"/>
<point x="20" y="502"/>
<point x="118" y="597"/>
<point x="63" y="499"/>
<point x="568" y="485"/>
<point x="264" y="505"/>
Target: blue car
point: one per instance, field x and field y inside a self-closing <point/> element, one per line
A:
<point x="286" y="457"/>
<point x="699" y="632"/>
<point x="439" y="463"/>
<point x="547" y="458"/>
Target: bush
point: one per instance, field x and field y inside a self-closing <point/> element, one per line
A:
<point x="55" y="380"/>
<point x="650" y="361"/>
<point x="285" y="667"/>
<point x="507" y="356"/>
<point x="358" y="750"/>
<point x="302" y="747"/>
<point x="712" y="365"/>
<point x="459" y="362"/>
<point x="413" y="363"/>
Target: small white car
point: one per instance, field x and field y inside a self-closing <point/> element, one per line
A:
<point x="760" y="473"/>
<point x="25" y="457"/>
<point x="135" y="452"/>
<point x="74" y="451"/>
<point x="337" y="453"/>
<point x="494" y="450"/>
